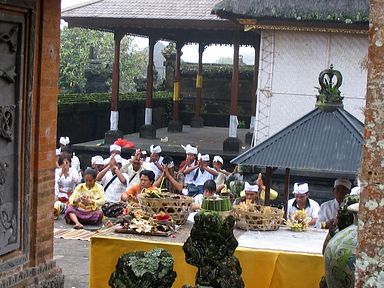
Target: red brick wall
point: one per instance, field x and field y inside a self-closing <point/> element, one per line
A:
<point x="46" y="72"/>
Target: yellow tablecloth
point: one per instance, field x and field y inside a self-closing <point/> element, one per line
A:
<point x="261" y="268"/>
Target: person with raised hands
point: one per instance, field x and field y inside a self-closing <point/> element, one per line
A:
<point x="112" y="179"/>
<point x="153" y="162"/>
<point x="170" y="179"/>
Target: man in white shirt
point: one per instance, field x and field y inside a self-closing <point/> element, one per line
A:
<point x="203" y="173"/>
<point x="113" y="180"/>
<point x="154" y="161"/>
<point x="302" y="201"/>
<point x="329" y="209"/>
<point x="133" y="167"/>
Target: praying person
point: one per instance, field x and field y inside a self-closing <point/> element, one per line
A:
<point x="85" y="202"/>
<point x="170" y="179"/>
<point x="153" y="162"/>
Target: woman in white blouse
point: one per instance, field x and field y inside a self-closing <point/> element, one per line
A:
<point x="66" y="178"/>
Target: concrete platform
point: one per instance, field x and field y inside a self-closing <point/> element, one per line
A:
<point x="209" y="140"/>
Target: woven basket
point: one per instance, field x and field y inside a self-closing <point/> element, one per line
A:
<point x="177" y="206"/>
<point x="257" y="220"/>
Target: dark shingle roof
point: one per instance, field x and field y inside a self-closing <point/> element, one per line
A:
<point x="145" y="9"/>
<point x="344" y="11"/>
<point x="319" y="141"/>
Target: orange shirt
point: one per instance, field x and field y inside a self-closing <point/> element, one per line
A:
<point x="132" y="192"/>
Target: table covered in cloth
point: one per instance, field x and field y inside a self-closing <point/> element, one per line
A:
<point x="269" y="259"/>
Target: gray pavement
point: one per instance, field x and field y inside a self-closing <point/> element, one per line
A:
<point x="72" y="256"/>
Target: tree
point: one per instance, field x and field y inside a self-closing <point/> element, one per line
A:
<point x="75" y="50"/>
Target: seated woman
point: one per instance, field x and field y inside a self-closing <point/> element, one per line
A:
<point x="66" y="178"/>
<point x="86" y="201"/>
<point x="147" y="177"/>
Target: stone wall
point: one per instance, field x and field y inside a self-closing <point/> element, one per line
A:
<point x="93" y="118"/>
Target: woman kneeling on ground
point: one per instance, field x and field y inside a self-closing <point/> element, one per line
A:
<point x="86" y="201"/>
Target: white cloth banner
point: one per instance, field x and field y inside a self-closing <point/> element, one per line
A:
<point x="148" y="116"/>
<point x="233" y="123"/>
<point x="114" y="120"/>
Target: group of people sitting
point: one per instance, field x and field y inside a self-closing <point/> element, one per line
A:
<point x="104" y="188"/>
<point x="113" y="181"/>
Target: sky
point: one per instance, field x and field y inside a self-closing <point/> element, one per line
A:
<point x="190" y="52"/>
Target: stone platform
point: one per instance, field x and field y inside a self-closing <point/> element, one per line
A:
<point x="209" y="140"/>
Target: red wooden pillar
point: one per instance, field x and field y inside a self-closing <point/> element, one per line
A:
<point x="175" y="124"/>
<point x="148" y="130"/>
<point x="370" y="251"/>
<point x="114" y="133"/>
<point x="232" y="143"/>
<point x="197" y="120"/>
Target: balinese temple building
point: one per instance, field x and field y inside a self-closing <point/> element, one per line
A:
<point x="183" y="22"/>
<point x="299" y="38"/>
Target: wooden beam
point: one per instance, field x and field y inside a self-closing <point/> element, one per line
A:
<point x="286" y="190"/>
<point x="116" y="71"/>
<point x="199" y="81"/>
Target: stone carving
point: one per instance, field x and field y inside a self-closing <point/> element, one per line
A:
<point x="7" y="115"/>
<point x="7" y="217"/>
<point x="152" y="269"/>
<point x="8" y="74"/>
<point x="210" y="247"/>
<point x="7" y="38"/>
<point x="329" y="98"/>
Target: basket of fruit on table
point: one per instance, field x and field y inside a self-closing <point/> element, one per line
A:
<point x="251" y="216"/>
<point x="155" y="201"/>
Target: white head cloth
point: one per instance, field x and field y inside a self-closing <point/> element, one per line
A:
<point x="114" y="147"/>
<point x="155" y="149"/>
<point x="204" y="157"/>
<point x="118" y="159"/>
<point x="97" y="160"/>
<point x="251" y="188"/>
<point x="190" y="149"/>
<point x="344" y="182"/>
<point x="218" y="159"/>
<point x="64" y="141"/>
<point x="300" y="188"/>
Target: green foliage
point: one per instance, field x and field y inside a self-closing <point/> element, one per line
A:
<point x="75" y="49"/>
<point x="214" y="71"/>
<point x="106" y="97"/>
<point x="225" y="60"/>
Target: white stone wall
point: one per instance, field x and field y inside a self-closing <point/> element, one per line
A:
<point x="291" y="74"/>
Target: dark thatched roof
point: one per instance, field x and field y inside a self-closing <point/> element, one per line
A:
<point x="337" y="11"/>
<point x="323" y="142"/>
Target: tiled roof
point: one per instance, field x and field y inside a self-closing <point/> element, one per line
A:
<point x="319" y="141"/>
<point x="145" y="9"/>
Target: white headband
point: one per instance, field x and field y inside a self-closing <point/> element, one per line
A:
<point x="300" y="188"/>
<point x="97" y="160"/>
<point x="114" y="147"/>
<point x="190" y="149"/>
<point x="64" y="141"/>
<point x="344" y="182"/>
<point x="203" y="157"/>
<point x="251" y="188"/>
<point x="218" y="159"/>
<point x="155" y="149"/>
